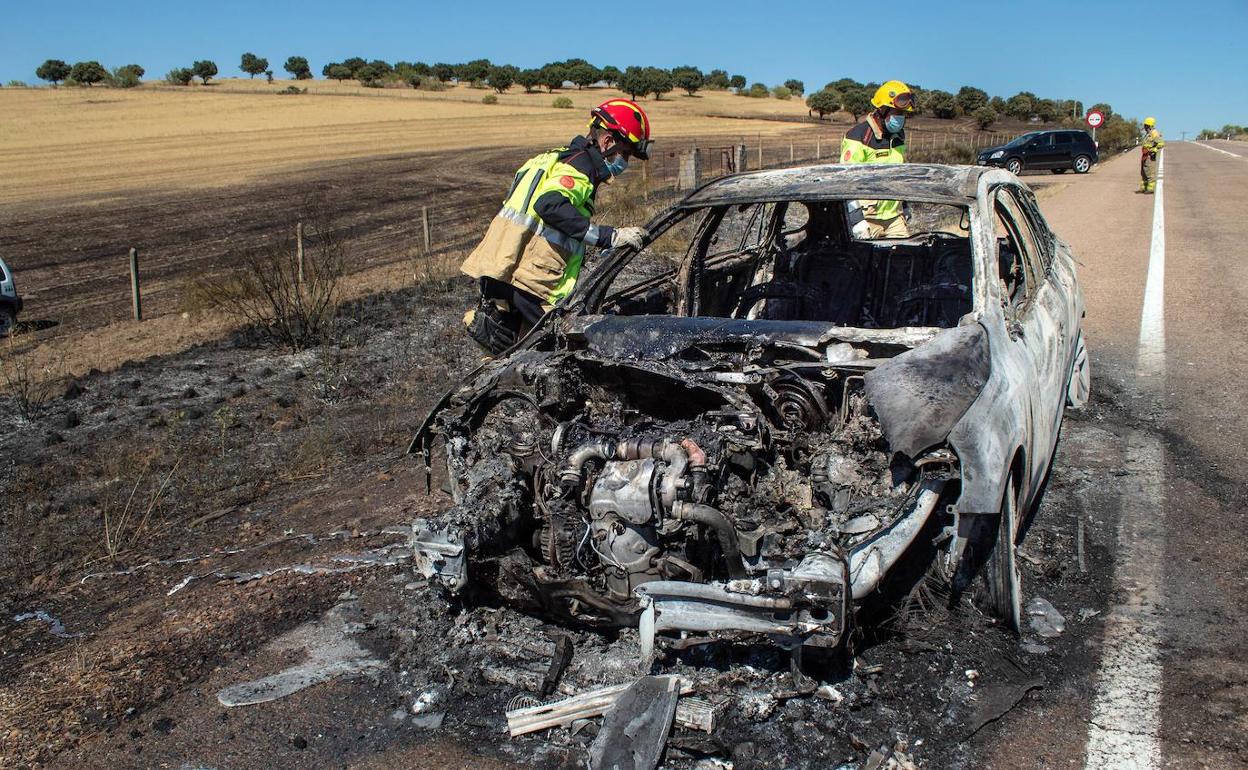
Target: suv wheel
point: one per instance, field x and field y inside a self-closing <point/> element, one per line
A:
<point x="7" y="321"/>
<point x="1014" y="166"/>
<point x="1082" y="164"/>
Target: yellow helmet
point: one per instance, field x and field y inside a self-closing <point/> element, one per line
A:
<point x="894" y="94"/>
<point x="1150" y="122"/>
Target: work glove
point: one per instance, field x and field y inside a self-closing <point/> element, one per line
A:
<point x="634" y="237"/>
<point x="862" y="230"/>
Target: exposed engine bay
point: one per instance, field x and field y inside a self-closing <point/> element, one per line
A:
<point x="744" y="486"/>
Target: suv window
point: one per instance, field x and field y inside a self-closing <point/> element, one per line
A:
<point x="1063" y="138"/>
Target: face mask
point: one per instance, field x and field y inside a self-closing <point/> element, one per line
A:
<point x="895" y="123"/>
<point x="617" y="165"/>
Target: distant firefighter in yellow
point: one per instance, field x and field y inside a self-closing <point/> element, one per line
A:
<point x="1150" y="151"/>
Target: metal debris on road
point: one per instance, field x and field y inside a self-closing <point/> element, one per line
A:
<point x="634" y="731"/>
<point x="1044" y="618"/>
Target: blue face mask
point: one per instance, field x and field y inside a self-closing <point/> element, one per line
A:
<point x="895" y="123"/>
<point x="617" y="165"/>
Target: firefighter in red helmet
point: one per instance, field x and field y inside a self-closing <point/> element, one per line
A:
<point x="533" y="250"/>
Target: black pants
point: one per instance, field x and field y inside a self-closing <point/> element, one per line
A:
<point x="527" y="306"/>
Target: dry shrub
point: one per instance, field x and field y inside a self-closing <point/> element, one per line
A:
<point x="30" y="385"/>
<point x="292" y="307"/>
<point x="434" y="273"/>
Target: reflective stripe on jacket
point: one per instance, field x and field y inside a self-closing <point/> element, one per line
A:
<point x="1153" y="141"/>
<point x="867" y="142"/>
<point x="520" y="248"/>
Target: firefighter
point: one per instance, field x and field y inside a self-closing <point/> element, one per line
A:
<point x="533" y="251"/>
<point x="881" y="138"/>
<point x="1150" y="149"/>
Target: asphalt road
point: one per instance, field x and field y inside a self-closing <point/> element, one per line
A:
<point x="1166" y="282"/>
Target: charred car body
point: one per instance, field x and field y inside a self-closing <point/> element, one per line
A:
<point x="747" y="426"/>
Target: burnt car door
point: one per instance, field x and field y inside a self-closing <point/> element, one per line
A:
<point x="1036" y="323"/>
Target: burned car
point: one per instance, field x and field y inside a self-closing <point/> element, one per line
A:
<point x="748" y="426"/>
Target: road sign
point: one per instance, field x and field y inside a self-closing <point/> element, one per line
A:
<point x="1095" y="119"/>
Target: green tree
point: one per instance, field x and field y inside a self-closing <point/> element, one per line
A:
<point x="941" y="104"/>
<point x="298" y="66"/>
<point x="689" y="79"/>
<point x="87" y="73"/>
<point x="795" y="86"/>
<point x="127" y="76"/>
<point x="781" y="92"/>
<point x="610" y="75"/>
<point x="970" y="99"/>
<point x="717" y="80"/>
<point x="530" y="79"/>
<point x="53" y="71"/>
<point x="1104" y="109"/>
<point x="758" y="91"/>
<point x="1048" y="110"/>
<point x="583" y="74"/>
<point x="737" y="82"/>
<point x="500" y="78"/>
<point x="843" y="86"/>
<point x="443" y="71"/>
<point x="205" y="70"/>
<point x="633" y="82"/>
<point x="370" y="75"/>
<point x="253" y="65"/>
<point x="474" y="71"/>
<point x="1020" y="105"/>
<point x="856" y="101"/>
<point x="179" y="76"/>
<point x="660" y="81"/>
<point x="553" y="76"/>
<point x="355" y="64"/>
<point x="336" y="71"/>
<point x="985" y="116"/>
<point x="997" y="104"/>
<point x="824" y="102"/>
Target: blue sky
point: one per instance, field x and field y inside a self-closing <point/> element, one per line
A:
<point x="1181" y="62"/>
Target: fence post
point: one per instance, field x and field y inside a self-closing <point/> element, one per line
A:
<point x="136" y="298"/>
<point x="792" y="156"/>
<point x="690" y="170"/>
<point x="818" y="149"/>
<point x="299" y="249"/>
<point x="760" y="151"/>
<point x="740" y="159"/>
<point x="424" y="220"/>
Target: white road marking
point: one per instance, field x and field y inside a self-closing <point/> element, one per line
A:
<point x="1219" y="149"/>
<point x="1123" y="730"/>
<point x="1151" y="351"/>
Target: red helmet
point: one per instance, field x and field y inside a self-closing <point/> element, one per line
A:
<point x="627" y="121"/>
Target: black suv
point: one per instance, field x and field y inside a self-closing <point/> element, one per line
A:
<point x="1056" y="150"/>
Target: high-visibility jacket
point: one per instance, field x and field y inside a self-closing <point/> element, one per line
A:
<point x="537" y="240"/>
<point x="1152" y="142"/>
<point x="868" y="142"/>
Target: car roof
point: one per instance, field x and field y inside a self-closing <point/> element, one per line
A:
<point x="910" y="181"/>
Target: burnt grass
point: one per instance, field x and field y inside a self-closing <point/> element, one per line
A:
<point x="156" y="512"/>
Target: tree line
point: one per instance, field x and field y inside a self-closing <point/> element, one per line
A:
<point x="1229" y="131"/>
<point x="844" y="95"/>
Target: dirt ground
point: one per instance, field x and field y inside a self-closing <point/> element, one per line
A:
<point x="179" y="517"/>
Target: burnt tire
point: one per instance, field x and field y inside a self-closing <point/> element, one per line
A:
<point x="1082" y="164"/>
<point x="1003" y="585"/>
<point x="1014" y="166"/>
<point x="1079" y="385"/>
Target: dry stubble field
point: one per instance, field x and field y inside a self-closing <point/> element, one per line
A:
<point x="74" y="142"/>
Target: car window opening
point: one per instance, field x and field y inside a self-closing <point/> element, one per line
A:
<point x="797" y="261"/>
